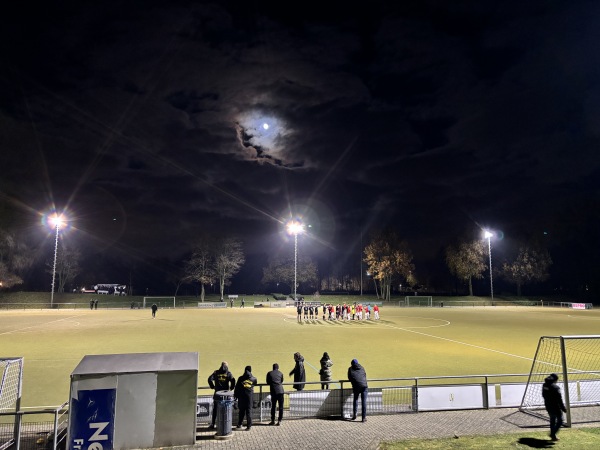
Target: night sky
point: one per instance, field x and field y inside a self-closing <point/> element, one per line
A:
<point x="152" y="122"/>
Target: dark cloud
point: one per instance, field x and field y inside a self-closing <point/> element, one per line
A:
<point x="155" y="121"/>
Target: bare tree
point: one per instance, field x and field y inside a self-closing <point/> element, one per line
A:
<point x="15" y="258"/>
<point x="200" y="267"/>
<point x="530" y="265"/>
<point x="467" y="261"/>
<point x="229" y="258"/>
<point x="388" y="257"/>
<point x="281" y="270"/>
<point x="67" y="265"/>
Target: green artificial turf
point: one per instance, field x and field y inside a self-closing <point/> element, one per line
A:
<point x="406" y="342"/>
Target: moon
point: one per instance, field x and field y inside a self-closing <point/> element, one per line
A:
<point x="266" y="126"/>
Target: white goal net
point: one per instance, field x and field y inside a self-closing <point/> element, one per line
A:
<point x="576" y="361"/>
<point x="416" y="300"/>
<point x="11" y="381"/>
<point x="161" y="302"/>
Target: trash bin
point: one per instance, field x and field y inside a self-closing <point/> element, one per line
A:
<point x="224" y="414"/>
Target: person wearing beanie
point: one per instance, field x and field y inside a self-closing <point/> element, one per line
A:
<point x="358" y="379"/>
<point x="554" y="404"/>
<point x="298" y="372"/>
<point x="220" y="380"/>
<point x="325" y="371"/>
<point x="275" y="382"/>
<point x="244" y="393"/>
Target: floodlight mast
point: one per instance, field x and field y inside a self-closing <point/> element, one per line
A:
<point x="295" y="228"/>
<point x="56" y="221"/>
<point x="489" y="235"/>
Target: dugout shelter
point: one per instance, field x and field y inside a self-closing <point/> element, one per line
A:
<point x="140" y="400"/>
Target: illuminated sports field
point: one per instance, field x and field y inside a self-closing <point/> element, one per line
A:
<point x="406" y="342"/>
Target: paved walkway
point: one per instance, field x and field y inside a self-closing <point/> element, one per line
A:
<point x="319" y="434"/>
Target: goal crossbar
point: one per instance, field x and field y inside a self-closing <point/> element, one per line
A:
<point x="418" y="300"/>
<point x="161" y="302"/>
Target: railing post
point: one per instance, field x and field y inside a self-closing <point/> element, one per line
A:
<point x="342" y="400"/>
<point x="54" y="443"/>
<point x="486" y="400"/>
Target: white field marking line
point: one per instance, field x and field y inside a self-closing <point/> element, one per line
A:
<point x="587" y="318"/>
<point x="459" y="342"/>
<point x="445" y="324"/>
<point x="37" y="326"/>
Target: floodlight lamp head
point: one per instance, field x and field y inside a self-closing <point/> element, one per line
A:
<point x="57" y="220"/>
<point x="295" y="228"/>
<point x="488" y="234"/>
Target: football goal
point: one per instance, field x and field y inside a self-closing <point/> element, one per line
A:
<point x="576" y="361"/>
<point x="416" y="300"/>
<point x="11" y="380"/>
<point x="161" y="302"/>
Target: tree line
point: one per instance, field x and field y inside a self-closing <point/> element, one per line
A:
<point x="388" y="262"/>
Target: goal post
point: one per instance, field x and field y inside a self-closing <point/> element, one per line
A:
<point x="161" y="302"/>
<point x="11" y="382"/>
<point x="576" y="361"/>
<point x="418" y="300"/>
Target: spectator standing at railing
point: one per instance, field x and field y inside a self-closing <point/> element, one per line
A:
<point x="244" y="391"/>
<point x="275" y="382"/>
<point x="325" y="371"/>
<point x="220" y="380"/>
<point x="554" y="404"/>
<point x="298" y="372"/>
<point x="358" y="378"/>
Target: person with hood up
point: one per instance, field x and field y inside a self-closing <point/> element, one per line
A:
<point x="244" y="393"/>
<point x="325" y="371"/>
<point x="220" y="380"/>
<point x="554" y="404"/>
<point x="358" y="379"/>
<point x="298" y="372"/>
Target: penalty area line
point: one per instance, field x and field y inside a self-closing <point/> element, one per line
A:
<point x="37" y="326"/>
<point x="460" y="342"/>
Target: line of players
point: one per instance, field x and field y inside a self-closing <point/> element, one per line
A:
<point x="354" y="311"/>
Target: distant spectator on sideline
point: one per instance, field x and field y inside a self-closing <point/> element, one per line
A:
<point x="554" y="404"/>
<point x="231" y="301"/>
<point x="92" y="304"/>
<point x="220" y="380"/>
<point x="325" y="371"/>
<point x="154" y="308"/>
<point x="244" y="391"/>
<point x="275" y="382"/>
<point x="358" y="379"/>
<point x="298" y="372"/>
<point x="299" y="311"/>
<point x="96" y="304"/>
<point x="243" y="303"/>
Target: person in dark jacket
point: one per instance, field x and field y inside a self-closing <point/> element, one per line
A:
<point x="154" y="309"/>
<point x="298" y="372"/>
<point x="358" y="379"/>
<point x="275" y="382"/>
<point x="554" y="404"/>
<point x="220" y="380"/>
<point x="244" y="392"/>
<point x="325" y="371"/>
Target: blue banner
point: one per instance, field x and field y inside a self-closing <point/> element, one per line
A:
<point x="92" y="420"/>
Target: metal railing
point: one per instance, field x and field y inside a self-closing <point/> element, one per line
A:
<point x="34" y="433"/>
<point x="385" y="396"/>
